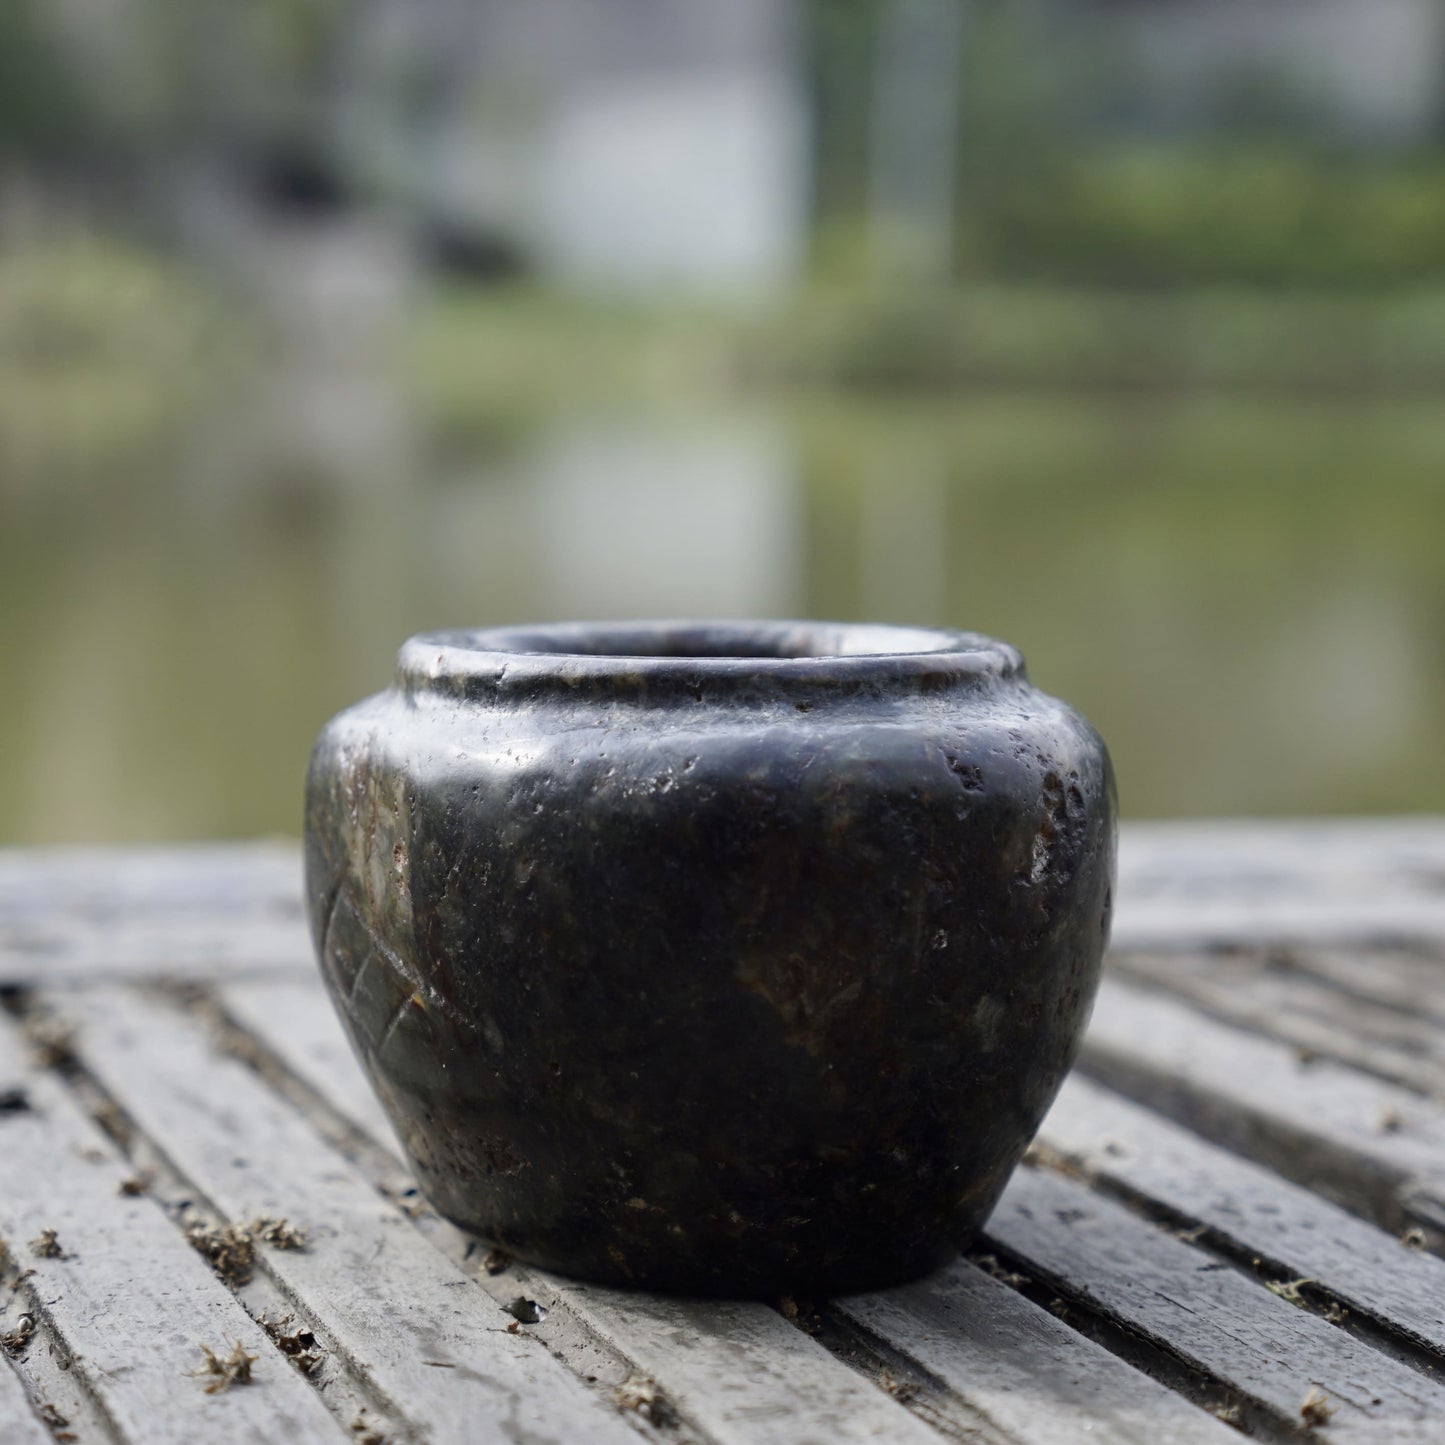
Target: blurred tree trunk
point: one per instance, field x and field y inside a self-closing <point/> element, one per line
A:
<point x="913" y="141"/>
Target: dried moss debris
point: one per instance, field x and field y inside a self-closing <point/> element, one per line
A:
<point x="51" y="1040"/>
<point x="47" y="1245"/>
<point x="1289" y="1289"/>
<point x="366" y="1431"/>
<point x="1316" y="1409"/>
<point x="801" y="1313"/>
<point x="109" y="1115"/>
<point x="991" y="1264"/>
<point x="228" y="1370"/>
<point x="902" y="1390"/>
<point x="642" y="1395"/>
<point x="297" y="1343"/>
<point x="14" y="1340"/>
<point x="230" y="1251"/>
<point x="279" y="1233"/>
<point x="55" y="1422"/>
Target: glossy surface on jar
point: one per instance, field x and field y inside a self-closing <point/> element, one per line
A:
<point x="736" y="958"/>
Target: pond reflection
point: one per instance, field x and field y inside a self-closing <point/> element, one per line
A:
<point x="1248" y="599"/>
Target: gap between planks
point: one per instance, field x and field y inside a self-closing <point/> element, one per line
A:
<point x="210" y="911"/>
<point x="391" y="1299"/>
<point x="1311" y="1251"/>
<point x="127" y="1304"/>
<point x="1326" y="1009"/>
<point x="1375" y="1148"/>
<point x="436" y="1353"/>
<point x="296" y="1022"/>
<point x="321" y="1050"/>
<point x="1182" y="1300"/>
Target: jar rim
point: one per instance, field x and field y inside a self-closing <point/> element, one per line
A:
<point x="652" y="656"/>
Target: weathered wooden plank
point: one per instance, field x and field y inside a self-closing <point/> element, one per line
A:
<point x="436" y="1348"/>
<point x="19" y="1425"/>
<point x="171" y="946"/>
<point x="207" y="879"/>
<point x="1197" y="858"/>
<point x="1257" y="853"/>
<point x="1371" y="1146"/>
<point x="127" y="1301"/>
<point x="1182" y="885"/>
<point x="294" y="1018"/>
<point x="736" y="1369"/>
<point x="1201" y="1309"/>
<point x="1250" y="1211"/>
<point x="1270" y="996"/>
<point x="73" y="915"/>
<point x="211" y="911"/>
<point x="1409" y="981"/>
<point x="1369" y="918"/>
<point x="59" y="1395"/>
<point x="1022" y="1368"/>
<point x="740" y="1370"/>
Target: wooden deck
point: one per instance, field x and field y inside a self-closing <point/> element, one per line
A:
<point x="1232" y="1217"/>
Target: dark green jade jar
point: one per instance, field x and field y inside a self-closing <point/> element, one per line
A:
<point x="737" y="958"/>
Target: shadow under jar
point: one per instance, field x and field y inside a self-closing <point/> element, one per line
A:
<point x="736" y="958"/>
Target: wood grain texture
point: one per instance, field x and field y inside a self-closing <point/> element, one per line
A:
<point x="79" y="954"/>
<point x="1006" y="1358"/>
<point x="737" y="1369"/>
<point x="1411" y="981"/>
<point x="206" y="911"/>
<point x="19" y="1424"/>
<point x="1274" y="996"/>
<point x="1023" y="1369"/>
<point x="207" y="879"/>
<point x="1185" y="885"/>
<point x="1166" y="1291"/>
<point x="740" y="1370"/>
<point x="1372" y="1146"/>
<point x="294" y="1018"/>
<point x="1309" y="1048"/>
<point x="436" y="1348"/>
<point x="1250" y="1211"/>
<point x="85" y="914"/>
<point x="128" y="1303"/>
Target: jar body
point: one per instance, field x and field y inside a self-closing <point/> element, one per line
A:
<point x="748" y="977"/>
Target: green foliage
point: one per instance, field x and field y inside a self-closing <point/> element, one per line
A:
<point x="1250" y="214"/>
<point x="103" y="350"/>
<point x="44" y="106"/>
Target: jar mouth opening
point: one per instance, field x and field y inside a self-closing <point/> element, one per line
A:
<point x="649" y="656"/>
<point x="741" y="641"/>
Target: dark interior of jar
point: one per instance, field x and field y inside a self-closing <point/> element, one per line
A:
<point x="741" y="640"/>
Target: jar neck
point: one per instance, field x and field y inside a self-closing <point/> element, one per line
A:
<point x="681" y="662"/>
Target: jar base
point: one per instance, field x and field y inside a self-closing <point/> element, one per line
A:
<point x="705" y="1270"/>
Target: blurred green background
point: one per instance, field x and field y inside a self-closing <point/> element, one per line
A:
<point x="1115" y="329"/>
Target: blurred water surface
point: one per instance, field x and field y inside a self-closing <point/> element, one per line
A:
<point x="1115" y="329"/>
<point x="1245" y="593"/>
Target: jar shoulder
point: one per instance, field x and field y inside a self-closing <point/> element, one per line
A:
<point x="996" y="740"/>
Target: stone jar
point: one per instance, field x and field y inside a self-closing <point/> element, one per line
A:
<point x="735" y="958"/>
